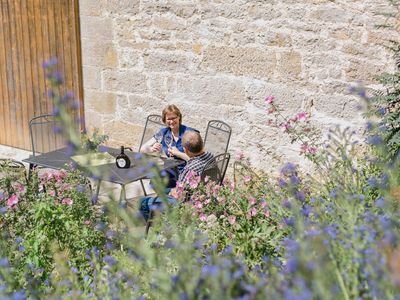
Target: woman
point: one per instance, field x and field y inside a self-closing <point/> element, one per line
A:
<point x="169" y="139"/>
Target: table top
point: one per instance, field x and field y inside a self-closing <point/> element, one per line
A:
<point x="58" y="159"/>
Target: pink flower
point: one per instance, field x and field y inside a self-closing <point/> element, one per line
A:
<point x="301" y="116"/>
<point x="20" y="187"/>
<point x="194" y="182"/>
<point x="206" y="179"/>
<point x="269" y="99"/>
<point x="240" y="155"/>
<point x="304" y="148"/>
<point x="286" y="126"/>
<point x="52" y="193"/>
<point x="87" y="222"/>
<point x="232" y="220"/>
<point x="247" y="179"/>
<point x="252" y="212"/>
<point x="67" y="201"/>
<point x="232" y="187"/>
<point x="252" y="200"/>
<point x="13" y="200"/>
<point x="203" y="217"/>
<point x="312" y="150"/>
<point x="264" y="204"/>
<point x="266" y="213"/>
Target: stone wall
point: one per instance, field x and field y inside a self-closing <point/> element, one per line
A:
<point x="219" y="59"/>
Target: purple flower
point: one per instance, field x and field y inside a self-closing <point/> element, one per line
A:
<point x="292" y="265"/>
<point x="332" y="231"/>
<point x="4" y="262"/>
<point x="295" y="180"/>
<point x="300" y="196"/>
<point x="288" y="169"/>
<point x="289" y="221"/>
<point x="50" y="63"/>
<point x="211" y="270"/>
<point x="111" y="261"/>
<point x="374" y="140"/>
<point x="282" y="183"/>
<point x="380" y="202"/>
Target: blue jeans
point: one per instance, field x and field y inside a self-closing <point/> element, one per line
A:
<point x="148" y="204"/>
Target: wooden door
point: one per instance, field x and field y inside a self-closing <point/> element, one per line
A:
<point x="31" y="32"/>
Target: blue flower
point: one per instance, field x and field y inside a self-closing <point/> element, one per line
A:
<point x="300" y="195"/>
<point x="292" y="265"/>
<point x="288" y="169"/>
<point x="18" y="295"/>
<point x="50" y="63"/>
<point x="289" y="221"/>
<point x="380" y="202"/>
<point x="282" y="183"/>
<point x="211" y="270"/>
<point x="4" y="262"/>
<point x="332" y="231"/>
<point x="111" y="261"/>
<point x="374" y="140"/>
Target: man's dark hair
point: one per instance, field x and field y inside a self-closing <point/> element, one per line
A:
<point x="192" y="141"/>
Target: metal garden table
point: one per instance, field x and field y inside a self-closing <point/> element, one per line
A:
<point x="58" y="159"/>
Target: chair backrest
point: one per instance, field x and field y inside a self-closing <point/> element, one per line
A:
<point x="216" y="168"/>
<point x="153" y="124"/>
<point x="218" y="135"/>
<point x="43" y="134"/>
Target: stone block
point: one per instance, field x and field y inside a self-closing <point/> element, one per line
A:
<point x="98" y="53"/>
<point x="359" y="70"/>
<point x="289" y="65"/>
<point x="240" y="61"/>
<point x="124" y="133"/>
<point x="101" y="102"/>
<point x="338" y="106"/>
<point x="121" y="7"/>
<point x="124" y="81"/>
<point x="96" y="28"/>
<point x="164" y="23"/>
<point x="91" y="77"/>
<point x="153" y="34"/>
<point x="166" y="61"/>
<point x="90" y="8"/>
<point x="214" y="90"/>
<point x="331" y="15"/>
<point x="129" y="58"/>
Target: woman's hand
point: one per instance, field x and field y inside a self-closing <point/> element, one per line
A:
<point x="175" y="152"/>
<point x="156" y="147"/>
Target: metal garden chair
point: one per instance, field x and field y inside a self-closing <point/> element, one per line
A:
<point x="42" y="131"/>
<point x="218" y="135"/>
<point x="216" y="169"/>
<point x="154" y="124"/>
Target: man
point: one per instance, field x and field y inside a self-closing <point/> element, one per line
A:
<point x="194" y="148"/>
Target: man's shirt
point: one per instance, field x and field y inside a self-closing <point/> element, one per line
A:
<point x="195" y="164"/>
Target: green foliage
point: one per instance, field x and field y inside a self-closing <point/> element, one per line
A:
<point x="91" y="142"/>
<point x="52" y="212"/>
<point x="385" y="104"/>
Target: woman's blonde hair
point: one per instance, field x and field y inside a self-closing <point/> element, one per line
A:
<point x="171" y="109"/>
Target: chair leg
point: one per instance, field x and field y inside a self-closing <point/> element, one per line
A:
<point x="122" y="196"/>
<point x="96" y="197"/>
<point x="149" y="222"/>
<point x="143" y="188"/>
